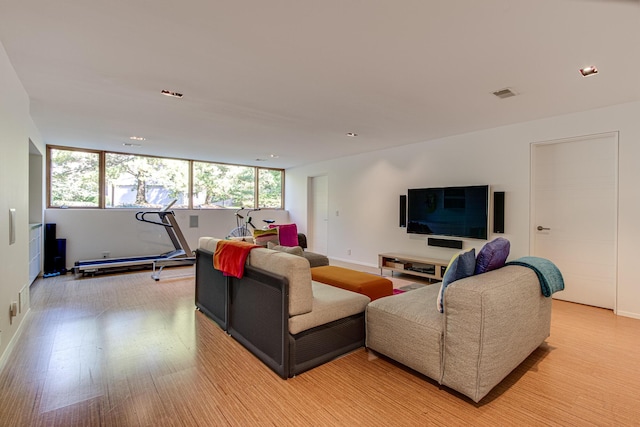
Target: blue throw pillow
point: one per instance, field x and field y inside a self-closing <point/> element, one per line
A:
<point x="492" y="255"/>
<point x="461" y="266"/>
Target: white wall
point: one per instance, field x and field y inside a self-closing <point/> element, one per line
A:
<point x="16" y="128"/>
<point x="365" y="189"/>
<point x="90" y="232"/>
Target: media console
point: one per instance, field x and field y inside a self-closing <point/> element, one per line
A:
<point x="411" y="264"/>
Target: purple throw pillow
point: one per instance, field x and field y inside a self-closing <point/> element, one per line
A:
<point x="492" y="255"/>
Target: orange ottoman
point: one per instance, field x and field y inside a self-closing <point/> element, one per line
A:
<point x="356" y="281"/>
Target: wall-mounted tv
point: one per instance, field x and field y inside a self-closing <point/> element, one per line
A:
<point x="449" y="211"/>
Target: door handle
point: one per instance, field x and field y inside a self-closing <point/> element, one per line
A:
<point x="540" y="228"/>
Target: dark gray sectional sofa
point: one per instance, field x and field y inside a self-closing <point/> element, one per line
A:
<point x="275" y="310"/>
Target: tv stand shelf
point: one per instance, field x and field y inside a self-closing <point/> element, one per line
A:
<point x="411" y="264"/>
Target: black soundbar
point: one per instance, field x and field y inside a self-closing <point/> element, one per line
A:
<point x="445" y="243"/>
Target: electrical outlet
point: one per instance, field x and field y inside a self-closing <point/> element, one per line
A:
<point x="13" y="309"/>
<point x="106" y="254"/>
<point x="348" y="251"/>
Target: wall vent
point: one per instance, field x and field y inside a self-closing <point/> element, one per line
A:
<point x="504" y="93"/>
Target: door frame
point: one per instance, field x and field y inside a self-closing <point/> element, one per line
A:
<point x="532" y="207"/>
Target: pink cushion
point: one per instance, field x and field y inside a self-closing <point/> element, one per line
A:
<point x="287" y="233"/>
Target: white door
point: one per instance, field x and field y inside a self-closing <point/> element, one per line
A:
<point x="318" y="214"/>
<point x="574" y="214"/>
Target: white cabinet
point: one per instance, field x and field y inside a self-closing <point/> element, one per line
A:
<point x="35" y="248"/>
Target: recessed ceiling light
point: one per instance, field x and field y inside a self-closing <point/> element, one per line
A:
<point x="274" y="156"/>
<point x="129" y="144"/>
<point x="172" y="94"/>
<point x="137" y="138"/>
<point x="587" y="71"/>
<point x="352" y="134"/>
<point x="504" y="93"/>
<point x="261" y="160"/>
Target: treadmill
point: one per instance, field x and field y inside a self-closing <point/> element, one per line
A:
<point x="181" y="255"/>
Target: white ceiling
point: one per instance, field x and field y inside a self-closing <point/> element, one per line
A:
<point x="292" y="77"/>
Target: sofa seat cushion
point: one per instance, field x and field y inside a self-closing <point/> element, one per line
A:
<point x="329" y="304"/>
<point x="406" y="328"/>
<point x="315" y="260"/>
<point x="363" y="283"/>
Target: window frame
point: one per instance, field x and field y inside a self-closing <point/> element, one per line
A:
<point x="100" y="176"/>
<point x="190" y="190"/>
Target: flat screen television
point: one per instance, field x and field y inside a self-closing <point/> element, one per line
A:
<point x="449" y="211"/>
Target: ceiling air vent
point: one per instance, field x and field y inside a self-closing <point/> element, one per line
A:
<point x="172" y="94"/>
<point x="504" y="93"/>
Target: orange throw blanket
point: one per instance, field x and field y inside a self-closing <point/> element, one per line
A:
<point x="230" y="257"/>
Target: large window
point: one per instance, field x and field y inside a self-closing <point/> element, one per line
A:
<point x="269" y="188"/>
<point x="140" y="181"/>
<point x="74" y="179"/>
<point x="223" y="186"/>
<point x="78" y="178"/>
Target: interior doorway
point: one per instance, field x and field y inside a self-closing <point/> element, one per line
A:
<point x="574" y="211"/>
<point x="35" y="184"/>
<point x="318" y="213"/>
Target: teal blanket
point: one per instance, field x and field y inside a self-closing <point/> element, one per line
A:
<point x="548" y="274"/>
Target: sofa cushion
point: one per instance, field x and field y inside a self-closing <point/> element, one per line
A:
<point x="399" y="327"/>
<point x="367" y="284"/>
<point x="294" y="268"/>
<point x="293" y="250"/>
<point x="315" y="260"/>
<point x="492" y="255"/>
<point x="263" y="237"/>
<point x="461" y="265"/>
<point x="288" y="234"/>
<point x="329" y="304"/>
<point x="208" y="244"/>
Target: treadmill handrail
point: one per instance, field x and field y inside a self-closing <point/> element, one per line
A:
<point x="140" y="217"/>
<point x="171" y="203"/>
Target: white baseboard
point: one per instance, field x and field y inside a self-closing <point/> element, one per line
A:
<point x="12" y="343"/>
<point x="628" y="314"/>
<point x="350" y="261"/>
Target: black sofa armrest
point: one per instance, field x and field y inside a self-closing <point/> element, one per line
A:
<point x="211" y="289"/>
<point x="302" y="240"/>
<point x="259" y="316"/>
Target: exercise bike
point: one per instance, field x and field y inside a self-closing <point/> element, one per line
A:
<point x="244" y="222"/>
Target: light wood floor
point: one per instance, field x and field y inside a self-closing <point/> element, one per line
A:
<point x="123" y="350"/>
